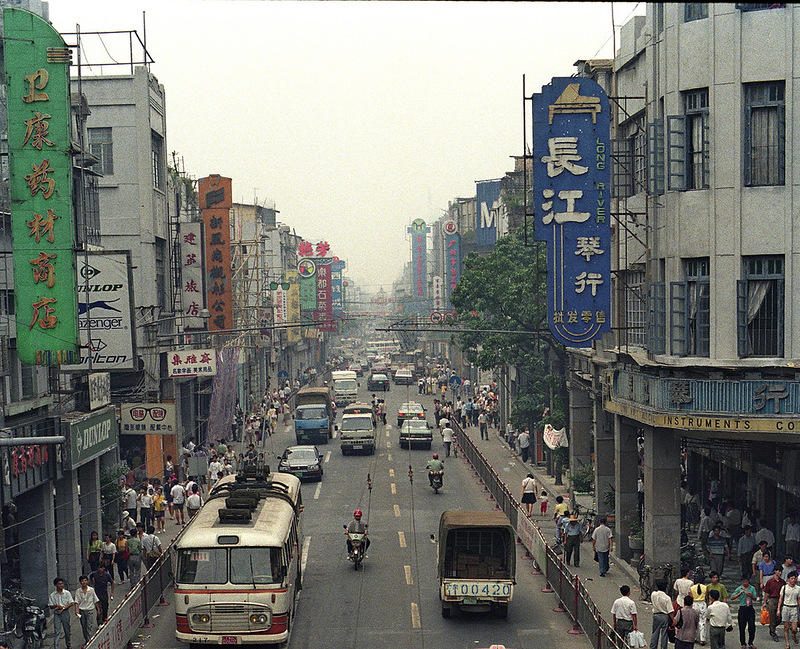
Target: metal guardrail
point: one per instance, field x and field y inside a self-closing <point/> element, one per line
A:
<point x="572" y="595"/>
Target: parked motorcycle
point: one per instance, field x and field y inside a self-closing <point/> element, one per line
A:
<point x="436" y="480"/>
<point x="24" y="618"/>
<point x="357" y="547"/>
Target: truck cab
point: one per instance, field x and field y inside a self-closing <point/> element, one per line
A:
<point x="313" y="416"/>
<point x="345" y="387"/>
<point x="357" y="434"/>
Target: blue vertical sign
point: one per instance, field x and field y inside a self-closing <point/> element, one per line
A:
<point x="452" y="258"/>
<point x="487" y="194"/>
<point x="572" y="184"/>
<point x="419" y="262"/>
<point x="337" y="296"/>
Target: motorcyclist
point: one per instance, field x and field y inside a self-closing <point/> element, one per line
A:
<point x="356" y="526"/>
<point x="434" y="464"/>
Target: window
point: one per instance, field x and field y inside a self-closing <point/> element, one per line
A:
<point x="635" y="307"/>
<point x="101" y="147"/>
<point x="256" y="565"/>
<point x="161" y="271"/>
<point x="657" y="318"/>
<point x="764" y="133"/>
<point x="690" y="304"/>
<point x="655" y="157"/>
<point x="28" y="384"/>
<point x="695" y="11"/>
<point x="157" y="159"/>
<point x="759" y="302"/>
<point x="758" y="6"/>
<point x="629" y="159"/>
<point x="688" y="143"/>
<point x="203" y="566"/>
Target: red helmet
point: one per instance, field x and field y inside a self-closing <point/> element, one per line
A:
<point x="435" y="456"/>
<point x="357" y="513"/>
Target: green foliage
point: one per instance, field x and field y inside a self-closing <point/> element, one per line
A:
<point x="636" y="529"/>
<point x="610" y="497"/>
<point x="583" y="479"/>
<point x="561" y="456"/>
<point x="111" y="494"/>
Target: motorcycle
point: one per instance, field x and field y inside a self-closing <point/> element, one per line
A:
<point x="357" y="547"/>
<point x="24" y="618"/>
<point x="436" y="479"/>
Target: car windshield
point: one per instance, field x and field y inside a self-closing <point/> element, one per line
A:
<point x="346" y="384"/>
<point x="311" y="412"/>
<point x="300" y="454"/>
<point x="378" y="377"/>
<point x="356" y="423"/>
<point x="202" y="566"/>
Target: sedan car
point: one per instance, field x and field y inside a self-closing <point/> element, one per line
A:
<point x="301" y="461"/>
<point x="415" y="432"/>
<point x="410" y="410"/>
<point x="356" y="367"/>
<point x="378" y="382"/>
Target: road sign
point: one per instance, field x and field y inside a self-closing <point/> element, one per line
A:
<point x="455" y="380"/>
<point x="436" y="317"/>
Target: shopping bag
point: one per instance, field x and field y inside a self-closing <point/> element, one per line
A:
<point x="636" y="639"/>
<point x="764" y="616"/>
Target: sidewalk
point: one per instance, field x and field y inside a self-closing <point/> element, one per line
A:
<point x="508" y="465"/>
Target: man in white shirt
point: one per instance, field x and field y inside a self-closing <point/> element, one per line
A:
<point x="787" y="606"/>
<point x="683" y="584"/>
<point x="214" y="467"/>
<point x="88" y="607"/>
<point x="151" y="547"/>
<point x="524" y="440"/>
<point x="61" y="602"/>
<point x="129" y="495"/>
<point x="602" y="542"/>
<point x="178" y="500"/>
<point x="623" y="613"/>
<point x="765" y="534"/>
<point x="662" y="607"/>
<point x="447" y="439"/>
<point x="719" y="619"/>
<point x="194" y="502"/>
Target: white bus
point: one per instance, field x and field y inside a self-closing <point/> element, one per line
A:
<point x="382" y="347"/>
<point x="238" y="564"/>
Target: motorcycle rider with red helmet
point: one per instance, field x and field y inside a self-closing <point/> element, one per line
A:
<point x="434" y="464"/>
<point x="357" y="526"/>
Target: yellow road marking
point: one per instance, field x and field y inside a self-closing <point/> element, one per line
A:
<point x="393" y="487"/>
<point x="387" y="433"/>
<point x="391" y="473"/>
<point x="415" y="615"/>
<point x="397" y="511"/>
<point x="401" y="537"/>
<point x="389" y="457"/>
<point x="388" y="445"/>
<point x="409" y="578"/>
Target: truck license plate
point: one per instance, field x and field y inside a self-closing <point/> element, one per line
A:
<point x="230" y="639"/>
<point x="358" y="447"/>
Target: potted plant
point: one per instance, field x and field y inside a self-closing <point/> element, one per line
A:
<point x="582" y="484"/>
<point x="610" y="501"/>
<point x="636" y="536"/>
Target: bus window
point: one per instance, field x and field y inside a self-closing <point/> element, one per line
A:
<point x="203" y="566"/>
<point x="256" y="566"/>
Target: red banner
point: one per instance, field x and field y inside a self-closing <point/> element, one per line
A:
<point x="324" y="312"/>
<point x="215" y="199"/>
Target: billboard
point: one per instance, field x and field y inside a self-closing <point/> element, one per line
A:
<point x="438" y="293"/>
<point x="190" y="237"/>
<point x="452" y="257"/>
<point x="105" y="312"/>
<point x="324" y="312"/>
<point x="294" y="334"/>
<point x="306" y="270"/>
<point x="487" y="193"/>
<point x="280" y="305"/>
<point x="337" y="287"/>
<point x="191" y="362"/>
<point x="42" y="219"/>
<point x="147" y="419"/>
<point x="571" y="178"/>
<point x="419" y="263"/>
<point x="214" y="195"/>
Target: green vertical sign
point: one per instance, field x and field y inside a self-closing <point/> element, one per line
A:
<point x="308" y="293"/>
<point x="42" y="223"/>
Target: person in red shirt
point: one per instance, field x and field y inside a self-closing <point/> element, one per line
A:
<point x="772" y="591"/>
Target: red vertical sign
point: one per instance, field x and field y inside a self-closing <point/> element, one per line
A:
<point x="216" y="200"/>
<point x="324" y="312"/>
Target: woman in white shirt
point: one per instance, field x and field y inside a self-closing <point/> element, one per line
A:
<point x="528" y="493"/>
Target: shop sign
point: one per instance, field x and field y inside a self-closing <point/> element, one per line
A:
<point x="190" y="237"/>
<point x="571" y="158"/>
<point x="214" y="196"/>
<point x="40" y="159"/>
<point x="90" y="437"/>
<point x="487" y="195"/>
<point x="191" y="362"/>
<point x="308" y="249"/>
<point x="419" y="262"/>
<point x="99" y="390"/>
<point x="452" y="258"/>
<point x="554" y="438"/>
<point x="294" y="333"/>
<point x="324" y="313"/>
<point x="337" y="287"/>
<point x="147" y="419"/>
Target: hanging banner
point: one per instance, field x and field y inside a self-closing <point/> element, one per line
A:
<point x="554" y="438"/>
<point x="438" y="293"/>
<point x="215" y="198"/>
<point x="280" y="305"/>
<point x="571" y="177"/>
<point x="324" y="313"/>
<point x="452" y="258"/>
<point x="337" y="287"/>
<point x="191" y="362"/>
<point x="40" y="158"/>
<point x="419" y="263"/>
<point x="105" y="308"/>
<point x="293" y="334"/>
<point x="190" y="236"/>
<point x="487" y="193"/>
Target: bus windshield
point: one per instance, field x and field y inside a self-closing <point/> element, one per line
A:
<point x="356" y="423"/>
<point x="248" y="566"/>
<point x="255" y="566"/>
<point x="345" y="384"/>
<point x="203" y="566"/>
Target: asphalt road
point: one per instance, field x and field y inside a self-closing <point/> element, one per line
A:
<point x="393" y="602"/>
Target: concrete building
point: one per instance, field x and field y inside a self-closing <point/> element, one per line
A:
<point x="703" y="362"/>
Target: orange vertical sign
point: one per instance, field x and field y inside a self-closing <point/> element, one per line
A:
<point x="215" y="197"/>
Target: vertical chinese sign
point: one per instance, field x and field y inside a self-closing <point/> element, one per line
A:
<point x="280" y="305"/>
<point x="337" y="287"/>
<point x="438" y="301"/>
<point x="214" y="194"/>
<point x="571" y="179"/>
<point x="293" y="333"/>
<point x="487" y="194"/>
<point x="324" y="313"/>
<point x="419" y="263"/>
<point x="192" y="295"/>
<point x="42" y="224"/>
<point x="452" y="258"/>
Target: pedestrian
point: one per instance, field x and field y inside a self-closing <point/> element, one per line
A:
<point x="61" y="602"/>
<point x="718" y="586"/>
<point x="543" y="502"/>
<point x="151" y="547"/>
<point x="787" y="567"/>
<point x="561" y="507"/>
<point x="483" y="420"/>
<point x="130" y="498"/>
<point x="772" y="592"/>
<point x="528" y="493"/>
<point x="572" y="538"/>
<point x="718" y="549"/>
<point x="178" y="499"/>
<point x="194" y="502"/>
<point x="662" y="609"/>
<point x="623" y="613"/>
<point x="683" y="584"/>
<point x="93" y="550"/>
<point x="765" y="534"/>
<point x="718" y="618"/>
<point x="686" y="620"/>
<point x="766" y="568"/>
<point x="524" y="440"/>
<point x="602" y="544"/>
<point x="746" y="615"/>
<point x="100" y="581"/>
<point x="447" y="439"/>
<point x="122" y="555"/>
<point x="787" y="607"/>
<point x="128" y="523"/>
<point x="791" y="535"/>
<point x="757" y="557"/>
<point x="146" y="506"/>
<point x="135" y="556"/>
<point x="108" y="554"/>
<point x="746" y="546"/>
<point x="699" y="593"/>
<point x="88" y="607"/>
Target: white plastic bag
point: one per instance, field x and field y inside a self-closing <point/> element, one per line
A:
<point x="636" y="639"/>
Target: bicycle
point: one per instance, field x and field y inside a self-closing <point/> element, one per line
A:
<point x="587" y="520"/>
<point x="646" y="573"/>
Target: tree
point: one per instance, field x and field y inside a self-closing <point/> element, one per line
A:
<point x="506" y="291"/>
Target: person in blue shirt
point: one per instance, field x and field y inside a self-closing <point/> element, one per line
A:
<point x="746" y="594"/>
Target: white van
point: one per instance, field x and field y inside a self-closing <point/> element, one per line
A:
<point x="345" y="386"/>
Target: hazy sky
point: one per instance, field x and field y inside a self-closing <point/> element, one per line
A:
<point x="355" y="118"/>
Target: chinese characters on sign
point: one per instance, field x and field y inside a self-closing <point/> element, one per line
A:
<point x="324" y="312"/>
<point x="191" y="362"/>
<point x="337" y="287"/>
<point x="147" y="419"/>
<point x="294" y="334"/>
<point x="452" y="258"/>
<point x="280" y="305"/>
<point x="438" y="290"/>
<point x="571" y="179"/>
<point x="42" y="224"/>
<point x="419" y="262"/>
<point x="214" y="193"/>
<point x="308" y="249"/>
<point x="193" y="298"/>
